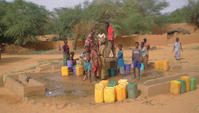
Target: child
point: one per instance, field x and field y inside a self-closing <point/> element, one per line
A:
<point x="83" y="56"/>
<point x="66" y="52"/>
<point x="177" y="48"/>
<point x="136" y="58"/>
<point x="144" y="53"/>
<point x="95" y="60"/>
<point x="87" y="64"/>
<point x="120" y="60"/>
<point x="72" y="54"/>
<point x="147" y="55"/>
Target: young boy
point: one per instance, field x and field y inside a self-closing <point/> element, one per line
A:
<point x="72" y="54"/>
<point x="95" y="60"/>
<point x="177" y="48"/>
<point x="136" y="58"/>
<point x="147" y="46"/>
<point x="66" y="52"/>
<point x="120" y="60"/>
<point x="87" y="64"/>
<point x="144" y="53"/>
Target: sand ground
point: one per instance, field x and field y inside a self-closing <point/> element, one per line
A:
<point x="185" y="103"/>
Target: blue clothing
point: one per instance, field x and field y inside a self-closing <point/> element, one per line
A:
<point x="142" y="67"/>
<point x="87" y="66"/>
<point x="120" y="61"/>
<point x="136" y="64"/>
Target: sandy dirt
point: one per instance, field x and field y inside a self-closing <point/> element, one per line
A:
<point x="185" y="103"/>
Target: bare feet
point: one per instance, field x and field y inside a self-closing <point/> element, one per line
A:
<point x="85" y="78"/>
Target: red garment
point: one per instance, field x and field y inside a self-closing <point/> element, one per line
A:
<point x="96" y="68"/>
<point x="110" y="33"/>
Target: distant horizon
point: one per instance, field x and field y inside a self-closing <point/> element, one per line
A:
<point x="52" y="4"/>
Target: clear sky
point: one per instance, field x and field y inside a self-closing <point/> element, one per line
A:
<point x="51" y="4"/>
<point x="175" y="4"/>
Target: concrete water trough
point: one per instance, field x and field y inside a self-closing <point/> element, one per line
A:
<point x="161" y="85"/>
<point x="21" y="87"/>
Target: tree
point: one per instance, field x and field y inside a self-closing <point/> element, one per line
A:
<point x="65" y="19"/>
<point x="138" y="15"/>
<point x="3" y="11"/>
<point x="193" y="12"/>
<point x="79" y="30"/>
<point x="24" y="21"/>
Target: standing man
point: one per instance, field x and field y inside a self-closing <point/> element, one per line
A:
<point x="111" y="39"/>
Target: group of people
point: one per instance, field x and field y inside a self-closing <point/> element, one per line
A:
<point x="140" y="56"/>
<point x="93" y="49"/>
<point x="96" y="47"/>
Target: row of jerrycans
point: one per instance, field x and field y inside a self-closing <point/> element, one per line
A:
<point x="79" y="70"/>
<point x="183" y="85"/>
<point x="106" y="92"/>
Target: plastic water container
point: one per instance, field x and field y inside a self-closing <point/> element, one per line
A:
<point x="109" y="94"/>
<point x="120" y="92"/>
<point x="162" y="65"/>
<point x="175" y="87"/>
<point x="157" y="63"/>
<point x="81" y="67"/>
<point x="112" y="83"/>
<point x="142" y="67"/>
<point x="104" y="82"/>
<point x="122" y="81"/>
<point x="70" y="63"/>
<point x="64" y="71"/>
<point x="132" y="90"/>
<point x="165" y="65"/>
<point x="99" y="93"/>
<point x="183" y="86"/>
<point x="193" y="84"/>
<point x="187" y="80"/>
<point x="79" y="71"/>
<point x="112" y="72"/>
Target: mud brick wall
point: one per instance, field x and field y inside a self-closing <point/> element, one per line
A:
<point x="187" y="38"/>
<point x="154" y="40"/>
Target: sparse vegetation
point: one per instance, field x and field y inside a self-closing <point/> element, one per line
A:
<point x="21" y="21"/>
